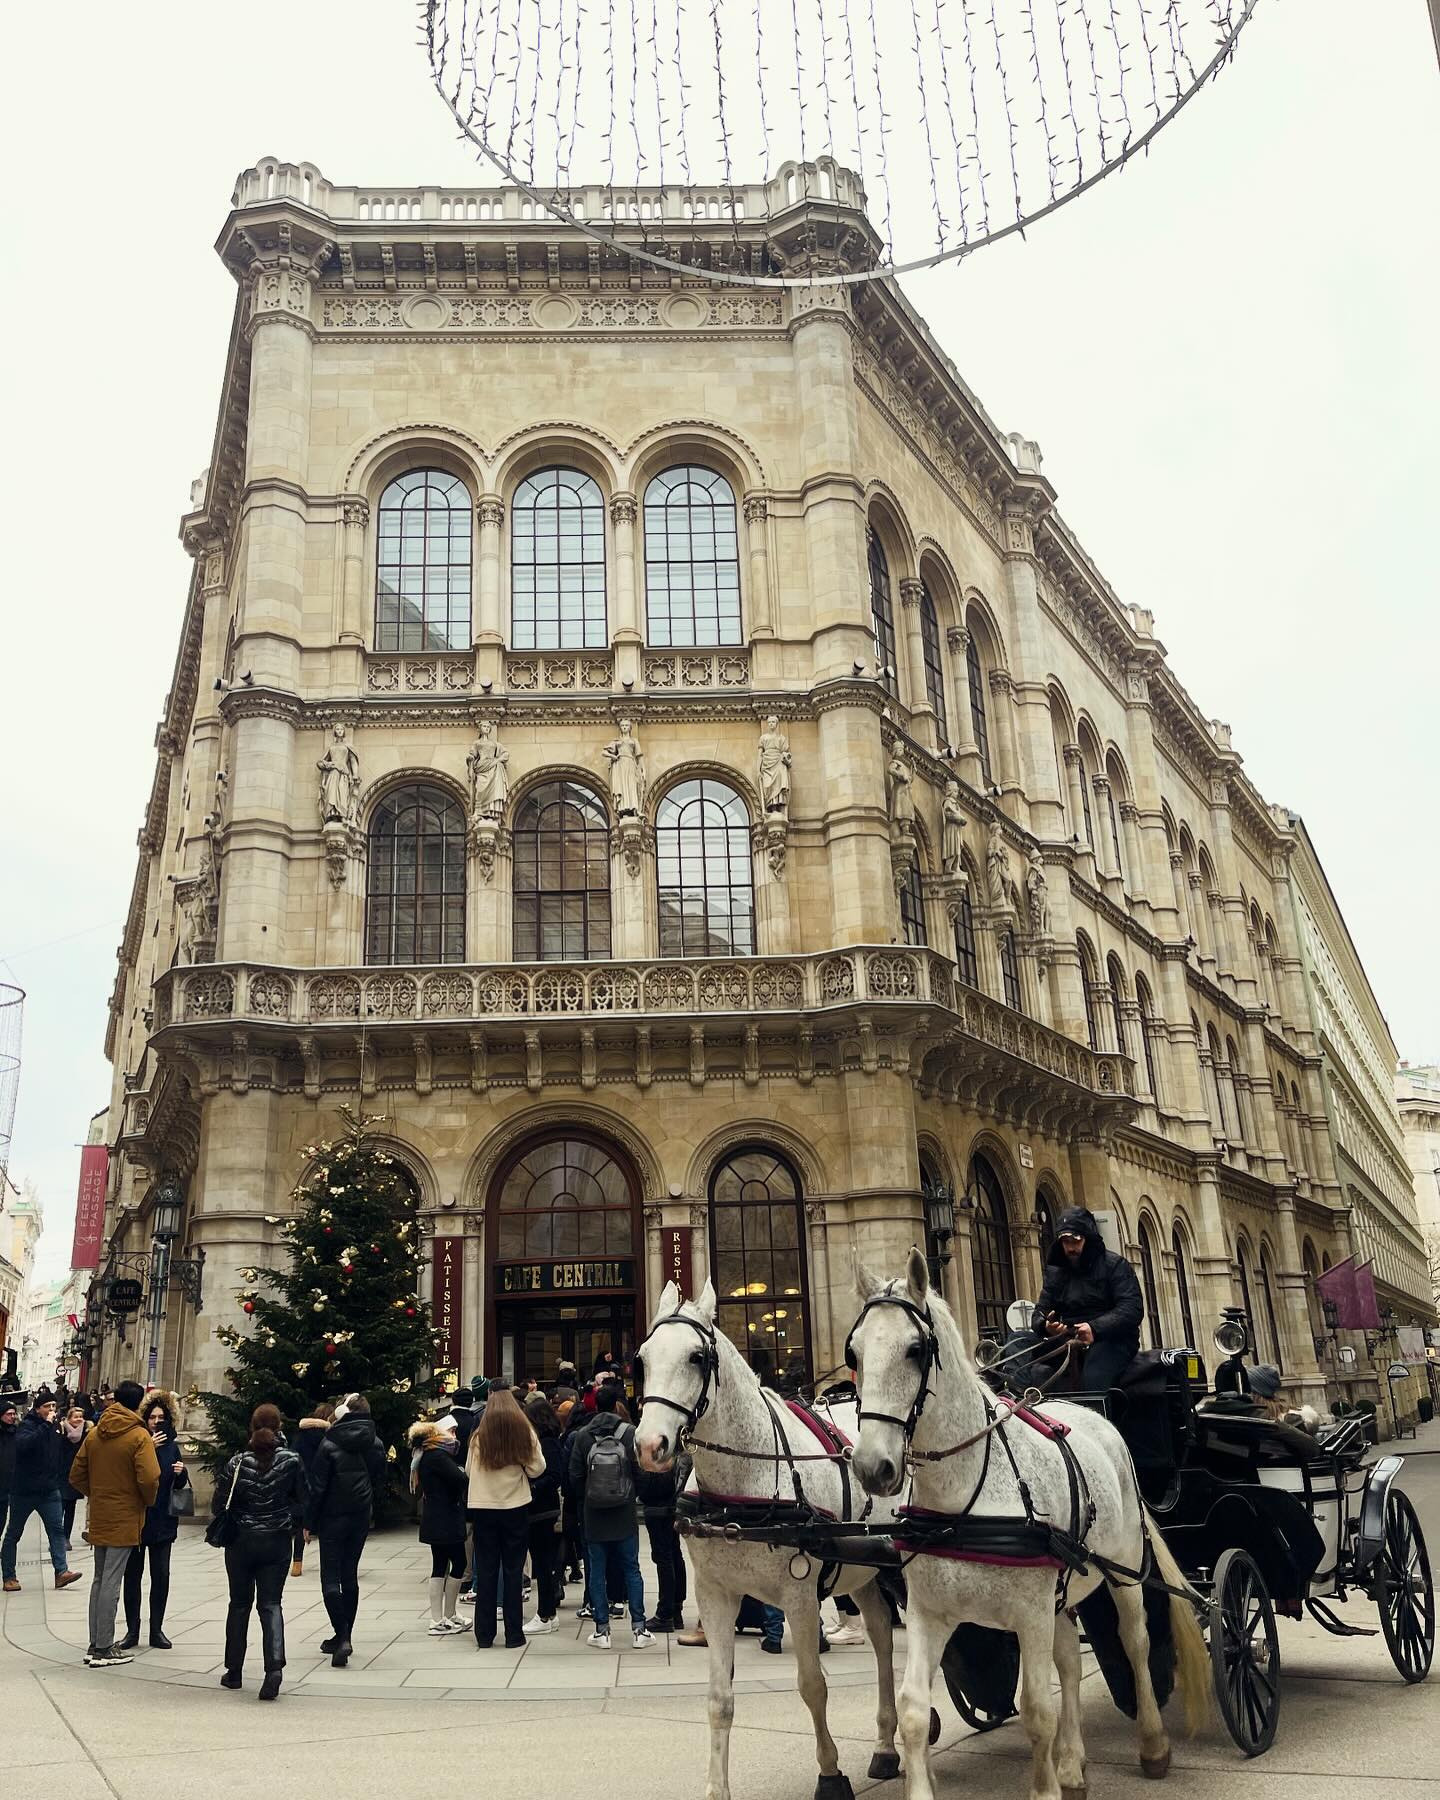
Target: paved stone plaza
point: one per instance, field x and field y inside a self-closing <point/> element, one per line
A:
<point x="412" y="1713"/>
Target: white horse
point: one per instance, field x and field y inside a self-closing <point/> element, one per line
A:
<point x="920" y="1397"/>
<point x="696" y="1380"/>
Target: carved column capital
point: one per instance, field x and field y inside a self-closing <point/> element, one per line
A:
<point x="624" y="509"/>
<point x="356" y="514"/>
<point x="958" y="638"/>
<point x="757" y="509"/>
<point x="911" y="592"/>
<point x="490" y="512"/>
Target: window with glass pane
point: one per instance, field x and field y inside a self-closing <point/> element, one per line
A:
<point x="1182" y="1287"/>
<point x="702" y="860"/>
<point x="1119" y="863"/>
<point x="934" y="666"/>
<point x="1242" y="1259"/>
<point x="1117" y="993"/>
<point x="882" y="612"/>
<point x="692" y="559"/>
<point x="1085" y="804"/>
<point x="966" y="960"/>
<point x="1154" y="1328"/>
<point x="1010" y="970"/>
<point x="757" y="1252"/>
<point x="1046" y="1217"/>
<point x="1269" y="1299"/>
<point x="562" y="875"/>
<point x="1147" y="1025"/>
<point x="1087" y="989"/>
<point x="912" y="906"/>
<point x="932" y="1183"/>
<point x="566" y="1197"/>
<point x="422" y="563"/>
<point x="990" y="1257"/>
<point x="557" y="563"/>
<point x="415" y="905"/>
<point x="975" y="681"/>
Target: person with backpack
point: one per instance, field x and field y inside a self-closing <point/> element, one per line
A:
<point x="503" y="1459"/>
<point x="348" y="1468"/>
<point x="604" y="1472"/>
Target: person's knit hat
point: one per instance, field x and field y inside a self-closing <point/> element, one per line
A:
<point x="7" y="1404"/>
<point x="1265" y="1380"/>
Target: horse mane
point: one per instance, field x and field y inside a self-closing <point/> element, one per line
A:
<point x="945" y="1322"/>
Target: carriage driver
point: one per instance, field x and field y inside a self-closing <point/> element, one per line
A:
<point x="1090" y="1296"/>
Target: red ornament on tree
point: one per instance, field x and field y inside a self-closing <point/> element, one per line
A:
<point x="248" y="1307"/>
<point x="409" y="1312"/>
<point x="329" y="1349"/>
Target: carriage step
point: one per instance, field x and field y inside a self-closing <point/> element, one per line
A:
<point x="1322" y="1615"/>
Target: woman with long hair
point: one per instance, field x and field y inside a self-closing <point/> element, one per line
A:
<point x="161" y="1528"/>
<point x="546" y="1540"/>
<point x="264" y="1491"/>
<point x="504" y="1457"/>
<point x="73" y="1429"/>
<point x="442" y="1486"/>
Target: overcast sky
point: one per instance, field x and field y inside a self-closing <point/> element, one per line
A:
<point x="1228" y="355"/>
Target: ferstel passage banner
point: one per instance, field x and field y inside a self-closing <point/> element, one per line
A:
<point x="90" y="1207"/>
<point x="448" y="1273"/>
<point x="678" y="1266"/>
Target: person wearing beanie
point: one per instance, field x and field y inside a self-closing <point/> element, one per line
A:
<point x="9" y="1425"/>
<point x="35" y="1487"/>
<point x="442" y="1484"/>
<point x="1090" y="1296"/>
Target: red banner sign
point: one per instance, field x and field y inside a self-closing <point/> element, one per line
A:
<point x="448" y="1287"/>
<point x="678" y="1265"/>
<point x="90" y="1207"/>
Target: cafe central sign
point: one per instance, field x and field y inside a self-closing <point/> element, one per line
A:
<point x="601" y="1276"/>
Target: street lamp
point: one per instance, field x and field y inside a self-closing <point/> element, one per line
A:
<point x="940" y="1218"/>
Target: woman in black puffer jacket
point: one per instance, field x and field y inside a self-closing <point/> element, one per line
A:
<point x="264" y="1490"/>
<point x="546" y="1539"/>
<point x="442" y="1484"/>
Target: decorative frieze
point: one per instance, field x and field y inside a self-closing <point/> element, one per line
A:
<point x="449" y="309"/>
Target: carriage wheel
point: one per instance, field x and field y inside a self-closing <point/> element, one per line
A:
<point x="1405" y="1591"/>
<point x="1245" y="1653"/>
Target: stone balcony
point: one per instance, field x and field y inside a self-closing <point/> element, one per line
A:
<point x="863" y="1007"/>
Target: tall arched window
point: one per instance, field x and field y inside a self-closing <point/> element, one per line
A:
<point x="1302" y="1129"/>
<point x="1146" y="1004"/>
<point x="415" y="905"/>
<point x="934" y="664"/>
<point x="1154" y="1324"/>
<point x="422" y="563"/>
<point x="702" y="860"/>
<point x="1267" y="1295"/>
<point x="912" y="905"/>
<point x="557" y="563"/>
<point x="966" y="959"/>
<point x="1115" y="781"/>
<point x="757" y="1253"/>
<point x="1087" y="989"/>
<point x="1240" y="1090"/>
<point x="1182" y="1288"/>
<point x="1010" y="970"/>
<point x="1087" y="811"/>
<point x="1242" y="1263"/>
<point x="692" y="559"/>
<point x="1047" y="1215"/>
<point x="566" y="1197"/>
<point x="931" y="1184"/>
<point x="1115" y="977"/>
<point x="1226" y="1124"/>
<point x="562" y="874"/>
<point x="882" y="611"/>
<point x="990" y="1258"/>
<point x="975" y="682"/>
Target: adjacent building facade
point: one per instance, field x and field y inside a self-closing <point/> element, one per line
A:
<point x="1417" y="1092"/>
<point x="656" y="743"/>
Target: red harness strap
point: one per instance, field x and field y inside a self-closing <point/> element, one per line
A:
<point x="830" y="1435"/>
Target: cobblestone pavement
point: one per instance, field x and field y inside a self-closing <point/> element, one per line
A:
<point x="637" y="1718"/>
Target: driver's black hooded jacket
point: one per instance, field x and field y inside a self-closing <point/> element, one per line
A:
<point x="1099" y="1289"/>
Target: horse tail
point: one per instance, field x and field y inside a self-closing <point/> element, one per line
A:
<point x="1192" y="1657"/>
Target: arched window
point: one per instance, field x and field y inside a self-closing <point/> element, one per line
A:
<point x="422" y="563"/>
<point x="934" y="665"/>
<point x="1302" y="1128"/>
<point x="1146" y="1005"/>
<point x="1267" y="1295"/>
<point x="566" y="1197"/>
<point x="1154" y="1324"/>
<point x="1114" y="781"/>
<point x="882" y="611"/>
<point x="975" y="682"/>
<point x="1225" y="1124"/>
<point x="1242" y="1262"/>
<point x="1240" y="1090"/>
<point x="1313" y="1306"/>
<point x="1182" y="1288"/>
<point x="757" y="1252"/>
<point x="692" y="559"/>
<point x="966" y="960"/>
<point x="557" y="563"/>
<point x="1047" y="1214"/>
<point x="1087" y="989"/>
<point x="912" y="905"/>
<point x="932" y="1183"/>
<point x="990" y="1258"/>
<point x="1087" y="811"/>
<point x="1115" y="977"/>
<point x="702" y="861"/>
<point x="1010" y="970"/>
<point x="562" y="874"/>
<point x="415" y="905"/>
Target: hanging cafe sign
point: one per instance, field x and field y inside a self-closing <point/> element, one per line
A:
<point x="124" y="1295"/>
<point x="601" y="1276"/>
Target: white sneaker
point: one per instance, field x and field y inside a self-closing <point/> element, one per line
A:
<point x="538" y="1627"/>
<point x="468" y="1599"/>
<point x="457" y="1624"/>
<point x="641" y="1639"/>
<point x="439" y="1628"/>
<point x="845" y="1634"/>
<point x="599" y="1640"/>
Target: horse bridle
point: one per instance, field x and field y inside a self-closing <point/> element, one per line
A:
<point x="929" y="1358"/>
<point x="709" y="1366"/>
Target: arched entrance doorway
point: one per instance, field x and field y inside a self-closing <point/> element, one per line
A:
<point x="563" y="1274"/>
<point x="757" y="1250"/>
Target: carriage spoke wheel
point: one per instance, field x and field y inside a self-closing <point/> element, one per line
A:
<point x="1405" y="1591"/>
<point x="1244" y="1653"/>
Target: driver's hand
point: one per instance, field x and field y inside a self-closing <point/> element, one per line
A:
<point x="1054" y="1327"/>
<point x="1083" y="1333"/>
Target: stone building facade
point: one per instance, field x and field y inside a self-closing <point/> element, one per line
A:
<point x="1417" y="1093"/>
<point x="656" y="742"/>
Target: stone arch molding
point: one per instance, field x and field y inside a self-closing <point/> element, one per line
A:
<point x="393" y="778"/>
<point x="643" y="455"/>
<point x="555" y="442"/>
<point x="542" y="1121"/>
<point x="712" y="1150"/>
<point x="389" y="446"/>
<point x="416" y="1162"/>
<point x="702" y="769"/>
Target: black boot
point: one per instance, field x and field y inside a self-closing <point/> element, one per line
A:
<point x="131" y="1639"/>
<point x="158" y="1639"/>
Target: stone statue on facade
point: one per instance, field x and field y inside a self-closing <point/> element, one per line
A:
<point x="998" y="885"/>
<point x="1038" y="894"/>
<point x="339" y="769"/>
<point x="774" y="765"/>
<point x="898" y="797"/>
<point x="952" y="831"/>
<point x="489" y="766"/>
<point x="627" y="772"/>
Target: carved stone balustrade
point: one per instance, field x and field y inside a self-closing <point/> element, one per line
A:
<point x="425" y="673"/>
<point x="559" y="672"/>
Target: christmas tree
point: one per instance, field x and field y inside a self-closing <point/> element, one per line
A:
<point x="344" y="1317"/>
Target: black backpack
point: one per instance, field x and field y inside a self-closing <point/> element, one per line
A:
<point x="609" y="1471"/>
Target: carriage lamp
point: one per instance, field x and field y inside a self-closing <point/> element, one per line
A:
<point x="1232" y="1335"/>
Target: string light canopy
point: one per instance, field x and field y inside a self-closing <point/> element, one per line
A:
<point x="926" y="128"/>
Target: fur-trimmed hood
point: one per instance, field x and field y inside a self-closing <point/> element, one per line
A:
<point x="166" y="1398"/>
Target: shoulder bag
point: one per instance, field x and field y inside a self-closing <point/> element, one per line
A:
<point x="222" y="1530"/>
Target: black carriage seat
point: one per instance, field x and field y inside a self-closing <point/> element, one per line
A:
<point x="1151" y="1405"/>
<point x="1239" y="1431"/>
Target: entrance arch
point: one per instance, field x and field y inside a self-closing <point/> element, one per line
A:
<point x="757" y="1253"/>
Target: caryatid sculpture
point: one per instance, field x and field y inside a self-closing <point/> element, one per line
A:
<point x="952" y="831"/>
<point x="627" y="772"/>
<point x="339" y="793"/>
<point x="489" y="766"/>
<point x="774" y="767"/>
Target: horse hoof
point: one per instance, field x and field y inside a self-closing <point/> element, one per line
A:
<point x="834" y="1787"/>
<point x="884" y="1766"/>
<point x="1155" y="1768"/>
<point x="934" y="1726"/>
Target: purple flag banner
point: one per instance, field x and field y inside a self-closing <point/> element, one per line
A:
<point x="1350" y="1287"/>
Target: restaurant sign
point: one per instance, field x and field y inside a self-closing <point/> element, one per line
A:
<point x="565" y="1277"/>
